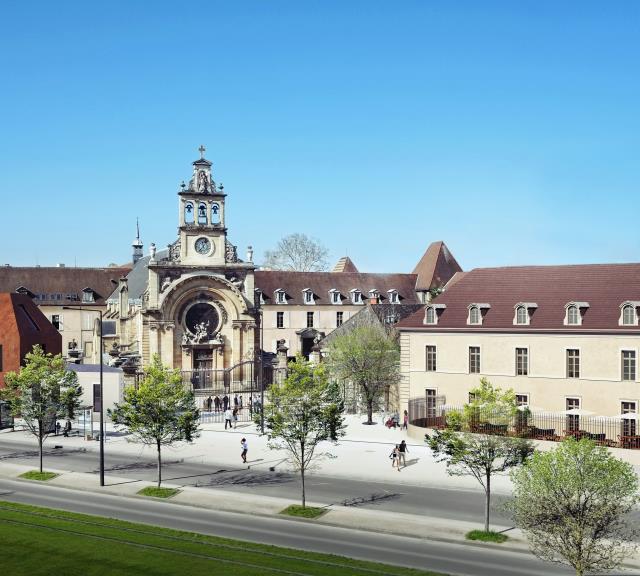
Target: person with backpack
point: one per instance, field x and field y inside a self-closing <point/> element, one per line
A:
<point x="394" y="457"/>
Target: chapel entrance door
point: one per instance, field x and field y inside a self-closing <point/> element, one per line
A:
<point x="203" y="368"/>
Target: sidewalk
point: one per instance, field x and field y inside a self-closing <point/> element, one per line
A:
<point x="363" y="454"/>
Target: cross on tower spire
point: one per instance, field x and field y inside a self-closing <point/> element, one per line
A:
<point x="202" y="150"/>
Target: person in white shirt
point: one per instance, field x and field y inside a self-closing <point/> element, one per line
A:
<point x="245" y="447"/>
<point x="228" y="416"/>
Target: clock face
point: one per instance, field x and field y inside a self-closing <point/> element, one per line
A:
<point x="202" y="245"/>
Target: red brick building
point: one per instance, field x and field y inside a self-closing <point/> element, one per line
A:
<point x="22" y="325"/>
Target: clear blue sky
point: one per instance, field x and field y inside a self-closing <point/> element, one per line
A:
<point x="510" y="130"/>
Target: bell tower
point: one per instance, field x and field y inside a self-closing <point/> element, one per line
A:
<point x="202" y="230"/>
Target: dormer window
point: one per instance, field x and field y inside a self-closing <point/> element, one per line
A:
<point x="307" y="296"/>
<point x="628" y="314"/>
<point x="259" y="296"/>
<point x="374" y="296"/>
<point x="475" y="314"/>
<point x="334" y="296"/>
<point x="431" y="313"/>
<point x="522" y="313"/>
<point x="281" y="296"/>
<point x="393" y="296"/>
<point x="573" y="313"/>
<point x="356" y="296"/>
<point x="88" y="295"/>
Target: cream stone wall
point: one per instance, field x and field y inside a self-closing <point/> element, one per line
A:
<point x="600" y="386"/>
<point x="295" y="318"/>
<point x="77" y="325"/>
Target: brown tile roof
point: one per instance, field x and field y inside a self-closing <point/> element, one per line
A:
<point x="293" y="283"/>
<point x="436" y="267"/>
<point x="61" y="285"/>
<point x="345" y="264"/>
<point x="603" y="286"/>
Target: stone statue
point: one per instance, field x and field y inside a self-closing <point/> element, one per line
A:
<point x="203" y="183"/>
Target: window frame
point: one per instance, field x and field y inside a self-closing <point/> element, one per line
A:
<point x="431" y="358"/>
<point x="634" y="314"/>
<point x="474" y="310"/>
<point x="524" y="371"/>
<point x="576" y="363"/>
<point x="281" y="296"/>
<point x="310" y="319"/>
<point x="280" y="319"/>
<point x="474" y="356"/>
<point x="632" y="365"/>
<point x="524" y="321"/>
<point x="339" y="318"/>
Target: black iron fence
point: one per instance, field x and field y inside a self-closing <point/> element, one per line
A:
<point x="537" y="425"/>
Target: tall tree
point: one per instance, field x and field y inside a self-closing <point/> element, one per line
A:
<point x="573" y="504"/>
<point x="481" y="455"/>
<point x="302" y="412"/>
<point x="297" y="252"/>
<point x="368" y="357"/>
<point x="160" y="411"/>
<point x="42" y="391"/>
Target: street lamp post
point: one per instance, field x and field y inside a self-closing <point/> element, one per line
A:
<point x="101" y="387"/>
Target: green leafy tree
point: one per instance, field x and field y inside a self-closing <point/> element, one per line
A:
<point x="302" y="412"/>
<point x="42" y="391"/>
<point x="160" y="411"/>
<point x="369" y="358"/>
<point x="573" y="504"/>
<point x="481" y="455"/>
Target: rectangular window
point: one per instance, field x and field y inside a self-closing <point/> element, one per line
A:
<point x="338" y="319"/>
<point x="431" y="358"/>
<point x="431" y="402"/>
<point x="522" y="399"/>
<point x="628" y="424"/>
<point x="573" y="363"/>
<point x="308" y="297"/>
<point x="87" y="296"/>
<point x="309" y="319"/>
<point x="573" y="420"/>
<point x="522" y="361"/>
<point x="474" y="359"/>
<point x="56" y="320"/>
<point x="335" y="297"/>
<point x="279" y="319"/>
<point x="629" y="365"/>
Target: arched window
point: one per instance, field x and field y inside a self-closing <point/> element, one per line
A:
<point x="202" y="213"/>
<point x="474" y="315"/>
<point x="215" y="213"/>
<point x="628" y="315"/>
<point x="430" y="317"/>
<point x="188" y="213"/>
<point x="521" y="315"/>
<point x="573" y="315"/>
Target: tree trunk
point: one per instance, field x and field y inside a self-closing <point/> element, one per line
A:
<point x="487" y="502"/>
<point x="40" y="440"/>
<point x="40" y="446"/>
<point x="159" y="466"/>
<point x="304" y="497"/>
<point x="370" y="411"/>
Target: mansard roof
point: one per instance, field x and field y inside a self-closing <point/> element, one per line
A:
<point x="293" y="283"/>
<point x="604" y="286"/>
<point x="436" y="267"/>
<point x="61" y="285"/>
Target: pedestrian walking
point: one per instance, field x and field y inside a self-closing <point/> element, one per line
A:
<point x="245" y="448"/>
<point x="235" y="401"/>
<point x="209" y="401"/>
<point x="240" y="401"/>
<point x="228" y="415"/>
<point x="225" y="402"/>
<point x="216" y="403"/>
<point x="394" y="457"/>
<point x="58" y="428"/>
<point x="235" y="417"/>
<point x="405" y="420"/>
<point x="402" y="451"/>
<point x="251" y="405"/>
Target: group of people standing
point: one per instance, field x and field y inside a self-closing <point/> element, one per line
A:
<point x="398" y="455"/>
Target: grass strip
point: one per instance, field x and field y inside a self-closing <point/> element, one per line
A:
<point x="300" y="512"/>
<point x="156" y="492"/>
<point x="37" y="475"/>
<point x="490" y="536"/>
<point x="41" y="541"/>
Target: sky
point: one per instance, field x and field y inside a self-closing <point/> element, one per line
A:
<point x="510" y="130"/>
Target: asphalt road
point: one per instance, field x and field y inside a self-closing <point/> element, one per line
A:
<point x="463" y="559"/>
<point x="438" y="502"/>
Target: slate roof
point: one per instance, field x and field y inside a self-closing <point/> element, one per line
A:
<point x="138" y="277"/>
<point x="436" y="267"/>
<point x="603" y="286"/>
<point x="61" y="285"/>
<point x="293" y="283"/>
